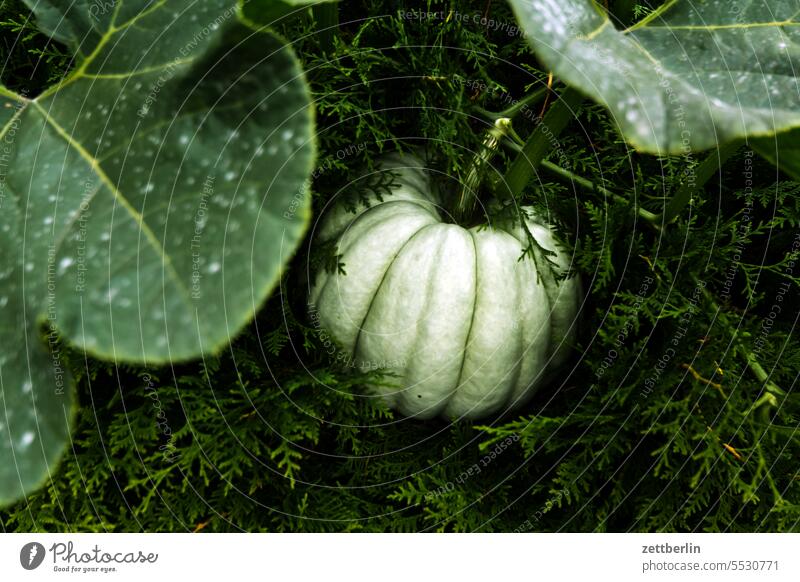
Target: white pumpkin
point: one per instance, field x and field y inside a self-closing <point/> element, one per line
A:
<point x="461" y="326"/>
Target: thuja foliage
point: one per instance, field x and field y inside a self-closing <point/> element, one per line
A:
<point x="30" y="59"/>
<point x="678" y="411"/>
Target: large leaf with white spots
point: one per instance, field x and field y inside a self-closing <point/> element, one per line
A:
<point x="150" y="201"/>
<point x="35" y="394"/>
<point x="693" y="74"/>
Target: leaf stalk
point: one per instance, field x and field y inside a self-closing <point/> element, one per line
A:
<point x="540" y="143"/>
<point x="702" y="174"/>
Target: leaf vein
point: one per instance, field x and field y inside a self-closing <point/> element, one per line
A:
<point x="167" y="263"/>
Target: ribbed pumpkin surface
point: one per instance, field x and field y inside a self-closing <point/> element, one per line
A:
<point x="461" y="325"/>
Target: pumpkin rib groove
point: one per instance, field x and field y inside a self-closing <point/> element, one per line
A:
<point x="398" y="165"/>
<point x="552" y="299"/>
<point x="521" y="281"/>
<point x="378" y="288"/>
<point x="517" y="371"/>
<point x="465" y="335"/>
<point x="472" y="318"/>
<point x="520" y="298"/>
<point x="533" y="226"/>
<point x="423" y="194"/>
<point x="530" y="285"/>
<point x="417" y="195"/>
<point x="549" y="281"/>
<point x="344" y="249"/>
<point x="378" y="204"/>
<point x="366" y="212"/>
<point x="547" y="277"/>
<point x="554" y="290"/>
<point x="511" y="377"/>
<point x="429" y="290"/>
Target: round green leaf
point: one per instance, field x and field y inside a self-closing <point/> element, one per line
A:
<point x="158" y="191"/>
<point x="35" y="389"/>
<point x="689" y="76"/>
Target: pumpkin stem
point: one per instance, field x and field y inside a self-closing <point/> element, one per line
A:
<point x="477" y="169"/>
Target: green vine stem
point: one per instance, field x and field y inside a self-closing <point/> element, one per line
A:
<point x="752" y="362"/>
<point x="761" y="406"/>
<point x="761" y="375"/>
<point x="540" y="142"/>
<point x="702" y="174"/>
<point x="326" y="15"/>
<point x="529" y="99"/>
<point x="565" y="174"/>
